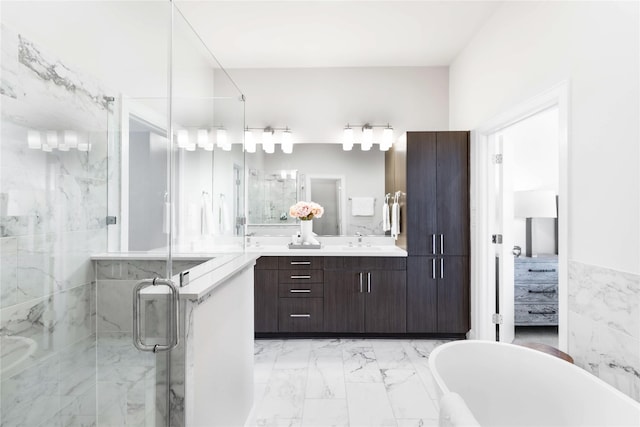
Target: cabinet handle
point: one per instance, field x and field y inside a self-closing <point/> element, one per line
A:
<point x="553" y="291"/>
<point x="300" y="263"/>
<point x="441" y="244"/>
<point x="433" y="268"/>
<point x="433" y="244"/>
<point x="542" y="312"/>
<point x="301" y="277"/>
<point x="542" y="270"/>
<point x="369" y="282"/>
<point x="300" y="291"/>
<point x="360" y="281"/>
<point x="300" y="315"/>
<point x="442" y="268"/>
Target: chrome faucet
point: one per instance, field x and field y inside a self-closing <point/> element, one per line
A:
<point x="248" y="235"/>
<point x="359" y="235"/>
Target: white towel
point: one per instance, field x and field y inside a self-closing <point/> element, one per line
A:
<point x="207" y="215"/>
<point x="386" y="220"/>
<point x="362" y="206"/>
<point x="395" y="220"/>
<point x="454" y="412"/>
<point x="225" y="217"/>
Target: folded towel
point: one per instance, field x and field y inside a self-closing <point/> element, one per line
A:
<point x="362" y="206"/>
<point x="454" y="412"/>
<point x="395" y="220"/>
<point x="386" y="220"/>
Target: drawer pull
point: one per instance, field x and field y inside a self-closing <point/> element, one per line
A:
<point x="306" y="316"/>
<point x="300" y="263"/>
<point x="542" y="312"/>
<point x="553" y="291"/>
<point x="301" y="277"/>
<point x="542" y="270"/>
<point x="300" y="291"/>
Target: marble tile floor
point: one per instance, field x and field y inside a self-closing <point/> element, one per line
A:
<point x="539" y="334"/>
<point x="344" y="382"/>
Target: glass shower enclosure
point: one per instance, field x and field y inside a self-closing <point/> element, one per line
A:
<point x="121" y="165"/>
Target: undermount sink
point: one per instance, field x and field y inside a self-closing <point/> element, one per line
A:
<point x="362" y="248"/>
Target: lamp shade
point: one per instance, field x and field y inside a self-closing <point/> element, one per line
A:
<point x="535" y="204"/>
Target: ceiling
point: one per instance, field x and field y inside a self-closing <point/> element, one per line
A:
<point x="298" y="33"/>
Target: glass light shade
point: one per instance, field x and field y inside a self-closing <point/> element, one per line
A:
<point x="367" y="139"/>
<point x="70" y="139"/>
<point x="84" y="146"/>
<point x="283" y="174"/>
<point x="387" y="139"/>
<point x="209" y="147"/>
<point x="249" y="142"/>
<point x="46" y="148"/>
<point x="203" y="138"/>
<point x="221" y="137"/>
<point x="294" y="174"/>
<point x="52" y="138"/>
<point x="183" y="138"/>
<point x="347" y="139"/>
<point x="267" y="142"/>
<point x="226" y="146"/>
<point x="287" y="142"/>
<point x="34" y="141"/>
<point x="191" y="147"/>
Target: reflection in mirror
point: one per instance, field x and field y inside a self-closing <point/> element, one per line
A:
<point x="327" y="191"/>
<point x="270" y="196"/>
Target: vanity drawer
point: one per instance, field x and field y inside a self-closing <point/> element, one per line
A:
<point x="267" y="263"/>
<point x="300" y="290"/>
<point x="536" y="314"/>
<point x="536" y="293"/>
<point x="300" y="315"/>
<point x="300" y="262"/>
<point x="300" y="276"/>
<point x="536" y="272"/>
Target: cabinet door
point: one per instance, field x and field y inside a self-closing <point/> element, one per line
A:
<point x="343" y="302"/>
<point x="453" y="193"/>
<point x="453" y="295"/>
<point x="385" y="301"/>
<point x="422" y="294"/>
<point x="265" y="297"/>
<point x="421" y="223"/>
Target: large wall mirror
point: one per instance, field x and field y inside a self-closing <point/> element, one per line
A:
<point x="323" y="173"/>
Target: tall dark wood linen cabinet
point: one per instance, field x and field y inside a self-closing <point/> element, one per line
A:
<point x="434" y="167"/>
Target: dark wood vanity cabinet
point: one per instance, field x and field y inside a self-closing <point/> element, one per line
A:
<point x="265" y="294"/>
<point x="365" y="295"/>
<point x="437" y="230"/>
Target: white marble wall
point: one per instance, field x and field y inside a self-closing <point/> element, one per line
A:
<point x="51" y="219"/>
<point x="604" y="324"/>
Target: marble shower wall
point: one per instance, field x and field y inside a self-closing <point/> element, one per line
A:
<point x="604" y="324"/>
<point x="52" y="218"/>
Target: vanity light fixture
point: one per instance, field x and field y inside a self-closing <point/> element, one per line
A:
<point x="203" y="138"/>
<point x="347" y="138"/>
<point x="52" y="138"/>
<point x="367" y="137"/>
<point x="221" y="137"/>
<point x="70" y="139"/>
<point x="287" y="142"/>
<point x="182" y="138"/>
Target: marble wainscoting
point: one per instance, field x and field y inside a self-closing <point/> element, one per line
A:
<point x="604" y="324"/>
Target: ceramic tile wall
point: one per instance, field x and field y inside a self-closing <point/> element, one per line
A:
<point x="604" y="324"/>
<point x="52" y="209"/>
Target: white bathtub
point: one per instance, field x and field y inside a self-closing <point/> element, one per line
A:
<point x="510" y="385"/>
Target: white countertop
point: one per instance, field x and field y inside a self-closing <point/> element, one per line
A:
<point x="330" y="250"/>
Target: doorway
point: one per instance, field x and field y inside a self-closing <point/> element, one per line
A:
<point x="498" y="180"/>
<point x="328" y="192"/>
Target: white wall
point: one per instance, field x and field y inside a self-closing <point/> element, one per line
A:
<point x="316" y="103"/>
<point x="525" y="48"/>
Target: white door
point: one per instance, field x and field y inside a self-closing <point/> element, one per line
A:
<point x="501" y="217"/>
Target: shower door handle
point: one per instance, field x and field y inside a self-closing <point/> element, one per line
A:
<point x="174" y="315"/>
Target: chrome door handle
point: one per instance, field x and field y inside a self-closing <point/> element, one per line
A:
<point x="442" y="268"/>
<point x="441" y="244"/>
<point x="300" y="262"/>
<point x="300" y="315"/>
<point x="369" y="282"/>
<point x="174" y="317"/>
<point x="433" y="244"/>
<point x="360" y="281"/>
<point x="300" y="291"/>
<point x="433" y="268"/>
<point x="301" y="277"/>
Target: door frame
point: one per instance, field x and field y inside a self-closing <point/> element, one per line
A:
<point x="342" y="224"/>
<point x="482" y="305"/>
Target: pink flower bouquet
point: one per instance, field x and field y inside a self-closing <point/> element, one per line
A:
<point x="306" y="210"/>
